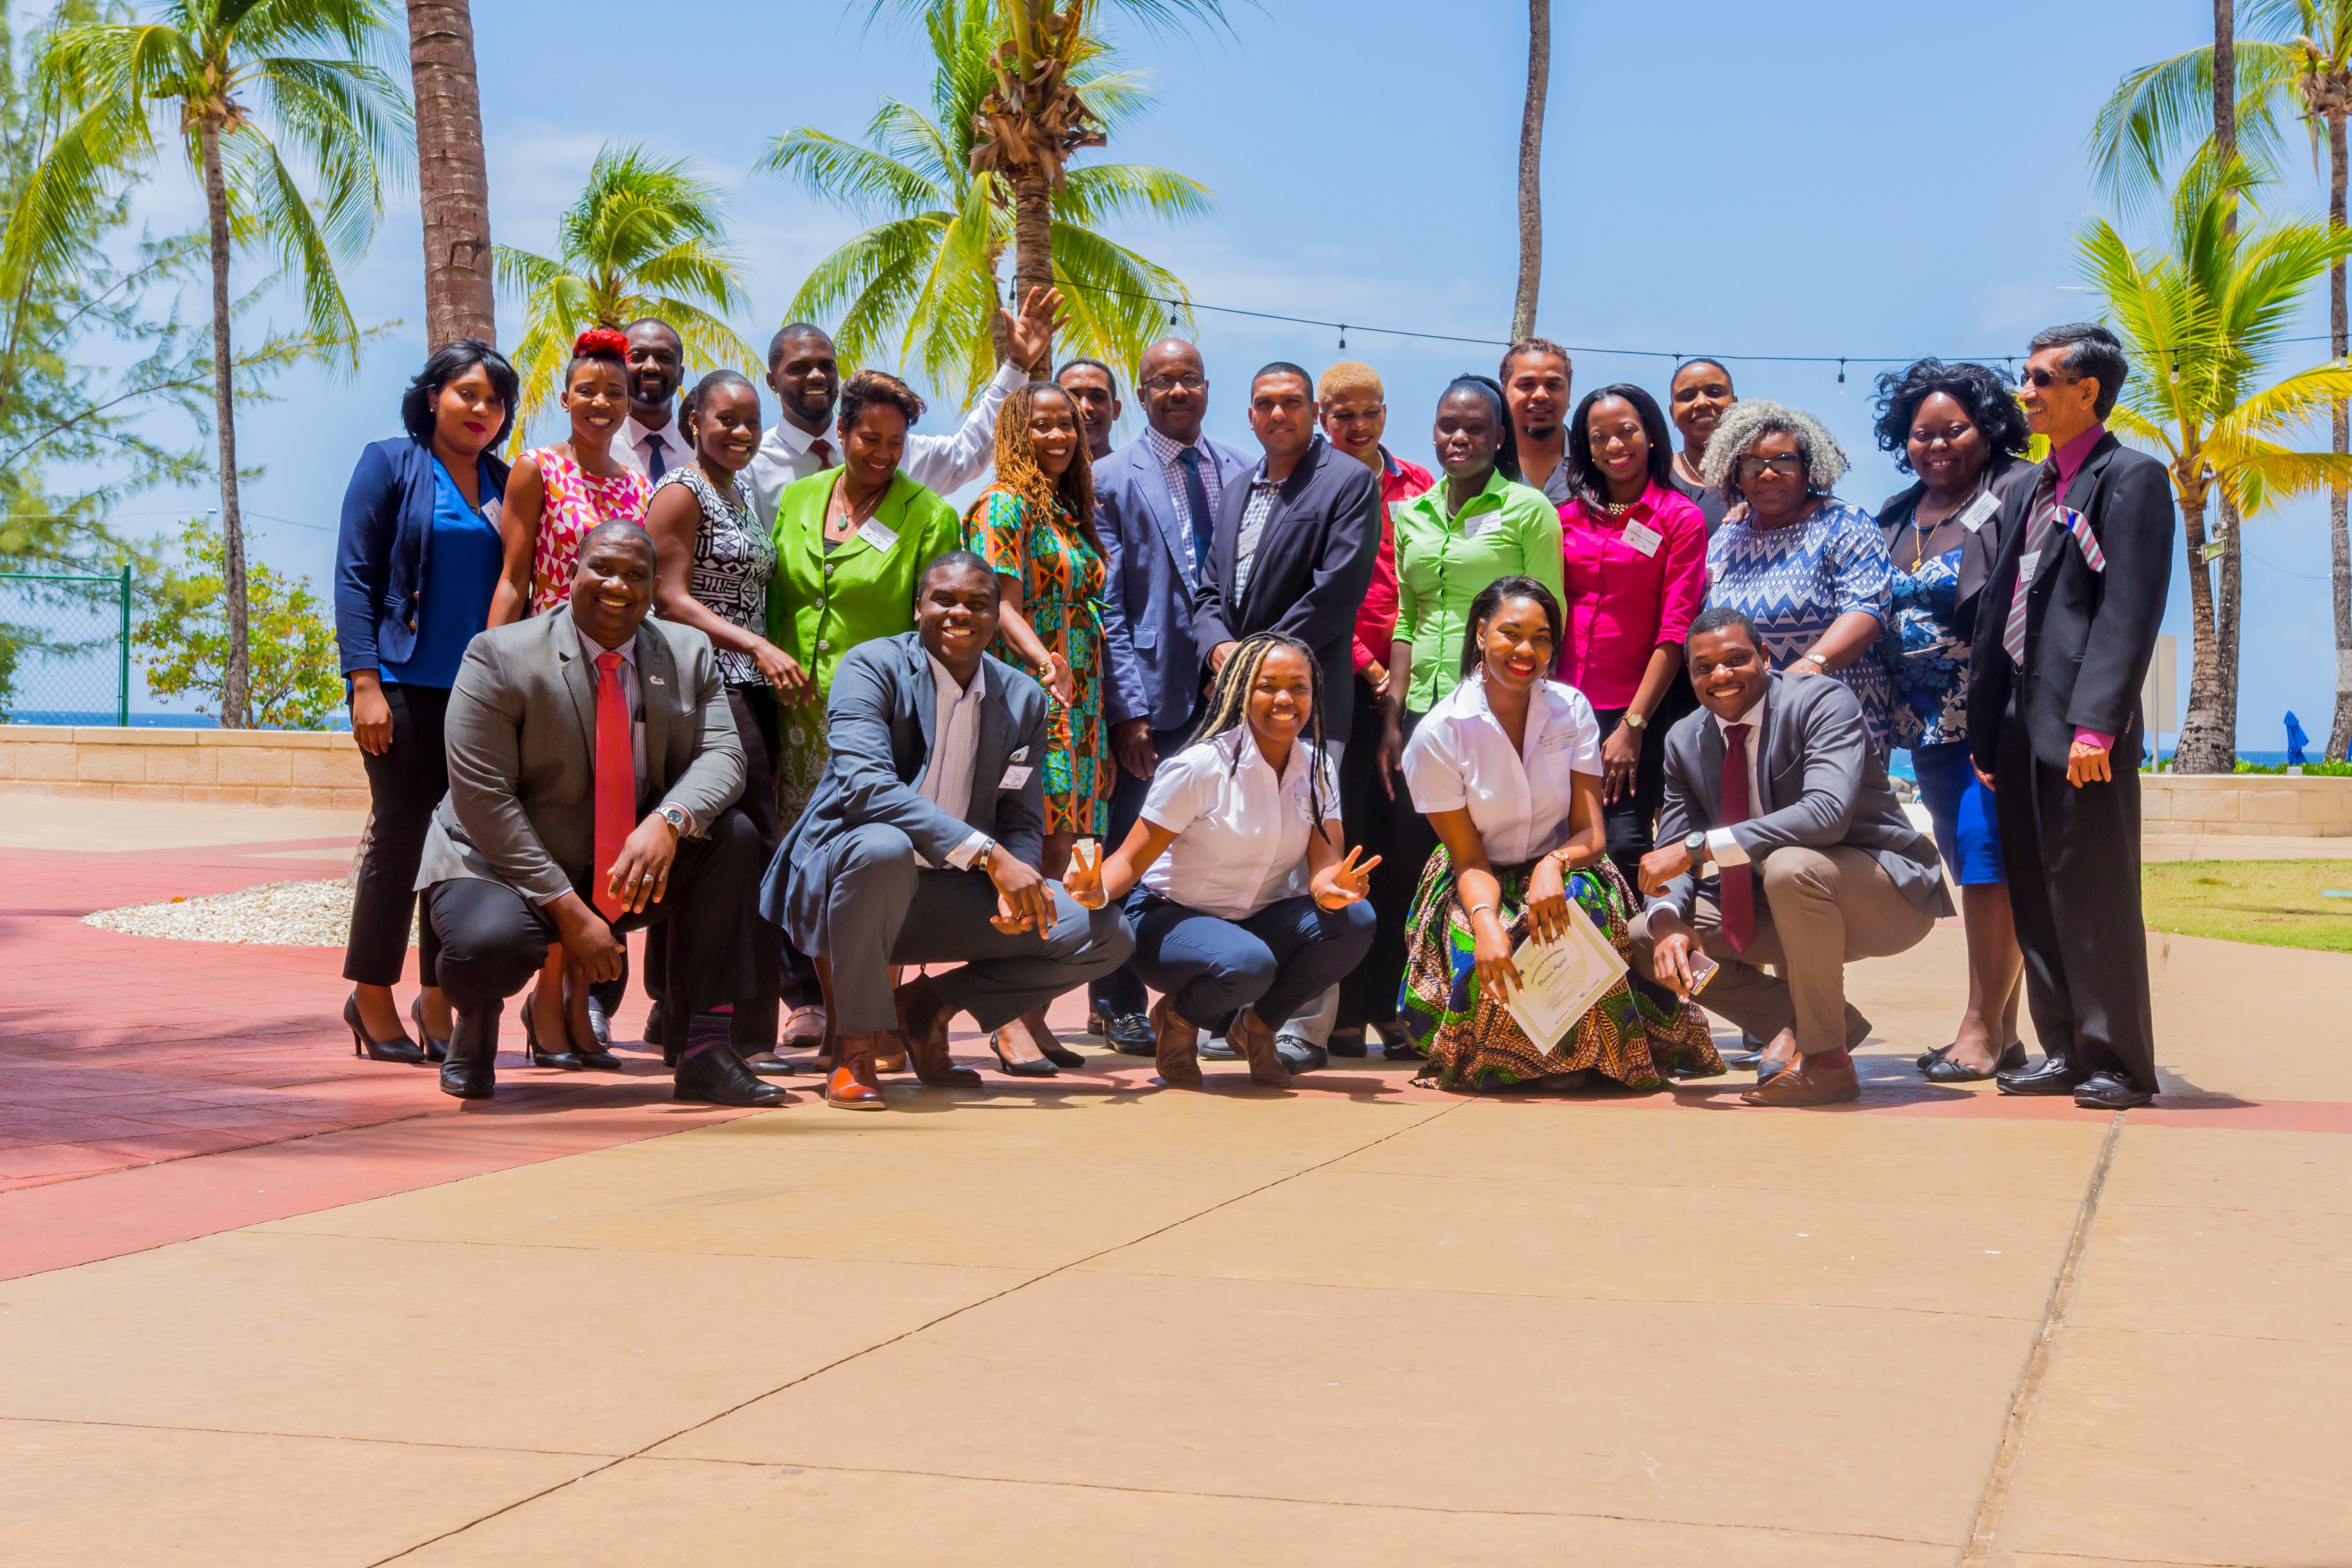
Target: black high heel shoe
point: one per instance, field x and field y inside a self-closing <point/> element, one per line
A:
<point x="403" y="1049"/>
<point x="1043" y="1068"/>
<point x="533" y="1057"/>
<point x="435" y="1050"/>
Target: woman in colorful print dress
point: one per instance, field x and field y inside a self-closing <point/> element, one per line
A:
<point x="557" y="493"/>
<point x="1508" y="769"/>
<point x="1036" y="525"/>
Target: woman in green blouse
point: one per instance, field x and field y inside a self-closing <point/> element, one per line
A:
<point x="850" y="542"/>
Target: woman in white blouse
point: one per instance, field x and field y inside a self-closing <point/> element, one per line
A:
<point x="1508" y="770"/>
<point x="1235" y="883"/>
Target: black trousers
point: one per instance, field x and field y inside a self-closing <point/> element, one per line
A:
<point x="484" y="941"/>
<point x="404" y="786"/>
<point x="1391" y="829"/>
<point x="2074" y="884"/>
<point x="1121" y="991"/>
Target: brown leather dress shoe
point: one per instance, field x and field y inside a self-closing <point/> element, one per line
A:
<point x="927" y="1048"/>
<point x="1810" y="1082"/>
<point x="1174" y="1046"/>
<point x="853" y="1086"/>
<point x="1256" y="1041"/>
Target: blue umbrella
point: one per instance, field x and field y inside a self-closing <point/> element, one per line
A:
<point x="2296" y="741"/>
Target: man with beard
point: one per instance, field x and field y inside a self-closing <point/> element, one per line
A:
<point x="1536" y="377"/>
<point x="650" y="441"/>
<point x="1089" y="384"/>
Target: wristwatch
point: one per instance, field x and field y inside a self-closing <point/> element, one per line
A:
<point x="676" y="816"/>
<point x="1635" y="721"/>
<point x="980" y="856"/>
<point x="1818" y="660"/>
<point x="1694" y="846"/>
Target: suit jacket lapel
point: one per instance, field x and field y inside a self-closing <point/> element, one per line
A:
<point x="1161" y="509"/>
<point x="572" y="659"/>
<point x="1761" y="749"/>
<point x="1711" y="754"/>
<point x="927" y="696"/>
<point x="988" y="749"/>
<point x="658" y="688"/>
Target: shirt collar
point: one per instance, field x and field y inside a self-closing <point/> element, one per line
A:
<point x="791" y="437"/>
<point x="1753" y="718"/>
<point x="1240" y="750"/>
<point x="944" y="679"/>
<point x="668" y="434"/>
<point x="591" y="649"/>
<point x="2069" y="458"/>
<point x="1165" y="448"/>
<point x="1492" y="495"/>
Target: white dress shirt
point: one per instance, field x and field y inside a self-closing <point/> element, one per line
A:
<point x="629" y="446"/>
<point x="940" y="464"/>
<point x="1241" y="832"/>
<point x="955" y="746"/>
<point x="1721" y="847"/>
<point x="1518" y="799"/>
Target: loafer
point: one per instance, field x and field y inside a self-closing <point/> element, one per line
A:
<point x="1129" y="1032"/>
<point x="1300" y="1054"/>
<point x="1804" y="1083"/>
<point x="2109" y="1091"/>
<point x="770" y="1067"/>
<point x="1217" y="1048"/>
<point x="2055" y="1075"/>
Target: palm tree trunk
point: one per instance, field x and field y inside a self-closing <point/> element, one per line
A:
<point x="234" y="709"/>
<point x="1032" y="242"/>
<point x="453" y="180"/>
<point x="2339" y="732"/>
<point x="2225" y="79"/>
<point x="1531" y="124"/>
<point x="2205" y="746"/>
<point x="2229" y="621"/>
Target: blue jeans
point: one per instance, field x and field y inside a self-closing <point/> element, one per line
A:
<point x="1276" y="962"/>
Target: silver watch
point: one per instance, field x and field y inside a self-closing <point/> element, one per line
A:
<point x="676" y="816"/>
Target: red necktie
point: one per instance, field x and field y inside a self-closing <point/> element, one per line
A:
<point x="1737" y="893"/>
<point x="823" y="450"/>
<point x="616" y="780"/>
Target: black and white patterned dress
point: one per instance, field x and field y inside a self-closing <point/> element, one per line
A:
<point x="733" y="560"/>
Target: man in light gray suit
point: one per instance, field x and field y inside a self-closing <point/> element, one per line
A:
<point x="922" y="842"/>
<point x="1777" y="797"/>
<point x="592" y="763"/>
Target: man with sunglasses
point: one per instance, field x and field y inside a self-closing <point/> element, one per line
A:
<point x="2065" y="628"/>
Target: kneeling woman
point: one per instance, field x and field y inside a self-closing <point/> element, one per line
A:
<point x="1247" y="905"/>
<point x="1508" y="770"/>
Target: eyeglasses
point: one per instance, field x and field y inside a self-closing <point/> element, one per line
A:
<point x="1788" y="467"/>
<point x="1177" y="382"/>
<point x="2030" y="376"/>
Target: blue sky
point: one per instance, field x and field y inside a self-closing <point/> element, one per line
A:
<point x="1830" y="177"/>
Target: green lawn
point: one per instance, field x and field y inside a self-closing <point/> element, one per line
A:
<point x="2275" y="902"/>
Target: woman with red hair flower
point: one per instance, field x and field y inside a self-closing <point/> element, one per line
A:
<point x="557" y="493"/>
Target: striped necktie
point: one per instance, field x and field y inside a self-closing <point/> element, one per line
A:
<point x="2041" y="529"/>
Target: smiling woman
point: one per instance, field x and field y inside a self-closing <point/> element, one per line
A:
<point x="563" y="491"/>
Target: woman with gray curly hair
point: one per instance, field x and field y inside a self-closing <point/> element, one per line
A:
<point x="1809" y="569"/>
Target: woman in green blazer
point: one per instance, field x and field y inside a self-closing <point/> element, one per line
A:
<point x="850" y="542"/>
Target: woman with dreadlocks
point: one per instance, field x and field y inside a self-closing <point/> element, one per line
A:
<point x="1242" y="896"/>
<point x="1035" y="524"/>
<point x="1508" y="770"/>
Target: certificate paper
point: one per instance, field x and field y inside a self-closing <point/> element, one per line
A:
<point x="1563" y="979"/>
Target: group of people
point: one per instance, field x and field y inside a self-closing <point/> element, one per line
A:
<point x="1312" y="744"/>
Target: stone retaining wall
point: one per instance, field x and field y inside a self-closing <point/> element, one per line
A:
<point x="221" y="767"/>
<point x="2268" y="805"/>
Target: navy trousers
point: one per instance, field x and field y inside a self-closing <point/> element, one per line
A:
<point x="1274" y="961"/>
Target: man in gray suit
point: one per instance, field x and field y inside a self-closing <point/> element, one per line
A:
<point x="592" y="763"/>
<point x="922" y="842"/>
<point x="1776" y="795"/>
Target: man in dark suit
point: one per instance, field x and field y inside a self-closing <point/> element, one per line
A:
<point x="1776" y="796"/>
<point x="922" y="843"/>
<point x="2065" y="628"/>
<point x="1156" y="505"/>
<point x="592" y="767"/>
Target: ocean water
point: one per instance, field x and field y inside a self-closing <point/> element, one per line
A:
<point x="96" y="720"/>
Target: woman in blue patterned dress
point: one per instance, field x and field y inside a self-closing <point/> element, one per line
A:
<point x="1809" y="569"/>
<point x="1960" y="430"/>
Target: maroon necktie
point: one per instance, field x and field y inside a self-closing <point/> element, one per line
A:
<point x="1737" y="888"/>
<point x="823" y="450"/>
<point x="616" y="780"/>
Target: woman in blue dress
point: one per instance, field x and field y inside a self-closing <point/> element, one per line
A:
<point x="1958" y="428"/>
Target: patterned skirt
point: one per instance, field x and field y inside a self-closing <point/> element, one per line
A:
<point x="1472" y="1039"/>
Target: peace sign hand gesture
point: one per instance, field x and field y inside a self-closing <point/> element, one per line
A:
<point x="1344" y="883"/>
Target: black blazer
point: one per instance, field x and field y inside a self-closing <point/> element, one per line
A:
<point x="1979" y="550"/>
<point x="1314" y="563"/>
<point x="2088" y="634"/>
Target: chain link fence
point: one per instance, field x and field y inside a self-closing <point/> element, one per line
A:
<point x="65" y="649"/>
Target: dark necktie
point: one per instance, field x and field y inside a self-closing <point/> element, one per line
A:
<point x="656" y="459"/>
<point x="823" y="450"/>
<point x="1196" y="501"/>
<point x="1737" y="883"/>
<point x="2040" y="531"/>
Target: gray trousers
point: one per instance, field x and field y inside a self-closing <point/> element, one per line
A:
<point x="883" y="906"/>
<point x="1817" y="910"/>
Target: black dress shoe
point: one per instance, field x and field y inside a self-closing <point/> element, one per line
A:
<point x="435" y="1050"/>
<point x="1299" y="1054"/>
<point x="1349" y="1043"/>
<point x="1129" y="1032"/>
<point x="472" y="1071"/>
<point x="600" y="1027"/>
<point x="770" y="1067"/>
<point x="2109" y="1091"/>
<point x="1217" y="1048"/>
<point x="403" y="1049"/>
<point x="654" y="1022"/>
<point x="715" y="1074"/>
<point x="1929" y="1059"/>
<point x="1397" y="1045"/>
<point x="2054" y="1075"/>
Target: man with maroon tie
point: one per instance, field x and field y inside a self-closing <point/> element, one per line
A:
<point x="1780" y="844"/>
<point x="593" y="768"/>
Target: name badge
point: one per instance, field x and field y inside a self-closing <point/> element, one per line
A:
<point x="2026" y="565"/>
<point x="876" y="534"/>
<point x="1979" y="511"/>
<point x="1479" y="524"/>
<point x="1016" y="777"/>
<point x="1644" y="538"/>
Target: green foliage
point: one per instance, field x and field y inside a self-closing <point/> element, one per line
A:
<point x="182" y="643"/>
<point x="643" y="239"/>
<point x="920" y="287"/>
<point x="2310" y="770"/>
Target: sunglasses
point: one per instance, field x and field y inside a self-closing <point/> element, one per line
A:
<point x="2030" y="376"/>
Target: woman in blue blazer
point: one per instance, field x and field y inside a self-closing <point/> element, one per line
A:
<point x="414" y="569"/>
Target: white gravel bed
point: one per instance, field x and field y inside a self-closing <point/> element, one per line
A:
<point x="280" y="914"/>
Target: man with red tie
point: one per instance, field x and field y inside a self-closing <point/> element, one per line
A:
<point x="592" y="767"/>
<point x="1780" y="844"/>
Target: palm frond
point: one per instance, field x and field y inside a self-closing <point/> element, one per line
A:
<point x="855" y="179"/>
<point x="1095" y="192"/>
<point x="2162" y="111"/>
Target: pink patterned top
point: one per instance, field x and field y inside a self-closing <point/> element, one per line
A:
<point x="576" y="502"/>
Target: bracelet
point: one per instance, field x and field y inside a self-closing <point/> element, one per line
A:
<point x="1476" y="907"/>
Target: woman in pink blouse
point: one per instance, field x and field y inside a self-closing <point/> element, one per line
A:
<point x="1635" y="564"/>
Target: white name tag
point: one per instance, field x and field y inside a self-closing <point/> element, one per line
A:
<point x="1479" y="524"/>
<point x="876" y="534"/>
<point x="2026" y="565"/>
<point x="1979" y="511"/>
<point x="1644" y="538"/>
<point x="1016" y="777"/>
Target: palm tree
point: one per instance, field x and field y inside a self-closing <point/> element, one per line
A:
<point x="2301" y="64"/>
<point x="453" y="181"/>
<point x="1032" y="118"/>
<point x="643" y="239"/>
<point x="1531" y="124"/>
<point x="921" y="286"/>
<point x="2202" y="316"/>
<point x="236" y="83"/>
